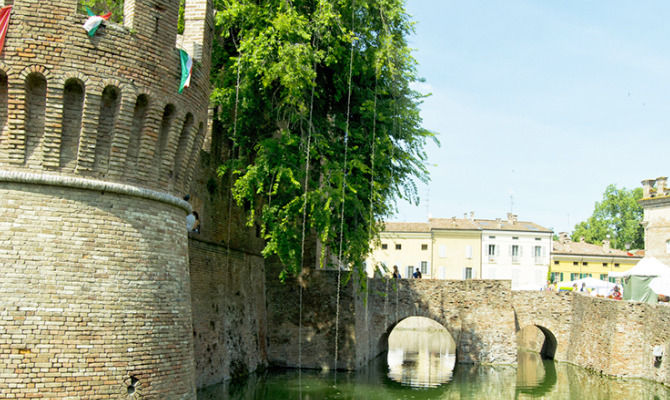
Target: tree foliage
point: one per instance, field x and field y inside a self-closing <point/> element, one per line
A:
<point x="281" y="72"/>
<point x="100" y="7"/>
<point x="617" y="217"/>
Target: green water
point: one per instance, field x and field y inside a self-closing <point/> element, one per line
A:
<point x="533" y="378"/>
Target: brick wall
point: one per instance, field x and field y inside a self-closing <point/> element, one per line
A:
<point x="94" y="295"/>
<point x="229" y="326"/>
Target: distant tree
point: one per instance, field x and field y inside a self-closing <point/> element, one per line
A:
<point x="617" y="217"/>
<point x="100" y="7"/>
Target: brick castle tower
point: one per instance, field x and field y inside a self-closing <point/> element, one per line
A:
<point x="97" y="148"/>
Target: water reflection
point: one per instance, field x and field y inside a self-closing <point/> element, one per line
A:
<point x="535" y="376"/>
<point x="421" y="353"/>
<point x="532" y="379"/>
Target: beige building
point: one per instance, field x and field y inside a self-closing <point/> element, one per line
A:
<point x="656" y="204"/>
<point x="452" y="248"/>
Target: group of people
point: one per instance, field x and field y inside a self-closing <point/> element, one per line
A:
<point x="615" y="293"/>
<point x="415" y="275"/>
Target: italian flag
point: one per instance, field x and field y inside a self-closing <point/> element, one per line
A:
<point x="186" y="68"/>
<point x="93" y="22"/>
<point x="4" y="24"/>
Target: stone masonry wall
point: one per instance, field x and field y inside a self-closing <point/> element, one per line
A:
<point x="482" y="324"/>
<point x="229" y="325"/>
<point x="477" y="313"/>
<point x="94" y="296"/>
<point x="608" y="336"/>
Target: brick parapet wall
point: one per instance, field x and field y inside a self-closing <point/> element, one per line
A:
<point x="229" y="316"/>
<point x="44" y="51"/>
<point x="608" y="336"/>
<point x="478" y="315"/>
<point x="95" y="296"/>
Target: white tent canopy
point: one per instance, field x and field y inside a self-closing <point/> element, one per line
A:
<point x="661" y="285"/>
<point x="591" y="283"/>
<point x="648" y="266"/>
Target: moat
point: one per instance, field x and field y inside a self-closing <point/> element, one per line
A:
<point x="533" y="378"/>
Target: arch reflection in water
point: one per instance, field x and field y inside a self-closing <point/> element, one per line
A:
<point x="421" y="353"/>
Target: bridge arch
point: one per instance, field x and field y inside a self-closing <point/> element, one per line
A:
<point x="547" y="348"/>
<point x="453" y="328"/>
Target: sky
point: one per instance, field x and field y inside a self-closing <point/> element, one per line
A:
<point x="539" y="105"/>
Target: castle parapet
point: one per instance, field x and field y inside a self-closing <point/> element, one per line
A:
<point x="105" y="107"/>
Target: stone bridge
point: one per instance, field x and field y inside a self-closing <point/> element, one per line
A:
<point x="484" y="317"/>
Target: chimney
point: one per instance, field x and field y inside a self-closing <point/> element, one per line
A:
<point x="465" y="215"/>
<point x="647" y="186"/>
<point x="499" y="222"/>
<point x="472" y="215"/>
<point x="511" y="218"/>
<point x="660" y="185"/>
<point x="606" y="244"/>
<point x="563" y="237"/>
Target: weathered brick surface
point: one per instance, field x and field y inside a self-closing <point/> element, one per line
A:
<point x="95" y="296"/>
<point x="484" y="318"/>
<point x="608" y="336"/>
<point x="481" y="324"/>
<point x="229" y="326"/>
<point x="48" y="57"/>
<point x="94" y="291"/>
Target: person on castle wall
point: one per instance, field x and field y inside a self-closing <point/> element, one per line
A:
<point x="193" y="222"/>
<point x="417" y="274"/>
<point x="616" y="293"/>
<point x="196" y="226"/>
<point x="396" y="273"/>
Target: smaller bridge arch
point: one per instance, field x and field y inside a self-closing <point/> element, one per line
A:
<point x="527" y="339"/>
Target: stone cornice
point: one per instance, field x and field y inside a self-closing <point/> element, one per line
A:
<point x="93" y="185"/>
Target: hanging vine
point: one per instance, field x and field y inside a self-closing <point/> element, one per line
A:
<point x="282" y="69"/>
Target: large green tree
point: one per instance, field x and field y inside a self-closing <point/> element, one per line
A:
<point x="617" y="217"/>
<point x="316" y="99"/>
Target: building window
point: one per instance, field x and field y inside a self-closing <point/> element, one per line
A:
<point x="612" y="279"/>
<point x="410" y="271"/>
<point x="585" y="263"/>
<point x="424" y="267"/>
<point x="515" y="253"/>
<point x="468" y="273"/>
<point x="556" y="277"/>
<point x="616" y="265"/>
<point x="538" y="254"/>
<point x="385" y="246"/>
<point x="492" y="250"/>
<point x="603" y="277"/>
<point x="538" y="238"/>
<point x="398" y="246"/>
<point x="604" y="264"/>
<point x="573" y="276"/>
<point x="492" y="237"/>
<point x="515" y="238"/>
<point x="555" y="262"/>
<point x="468" y="252"/>
<point x="575" y="263"/>
<point x="443" y="251"/>
<point x="424" y="247"/>
<point x="667" y="246"/>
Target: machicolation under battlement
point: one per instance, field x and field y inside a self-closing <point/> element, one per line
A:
<point x="105" y="107"/>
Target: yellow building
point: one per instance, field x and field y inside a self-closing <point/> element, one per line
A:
<point x="456" y="249"/>
<point x="575" y="260"/>
<point x="407" y="245"/>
